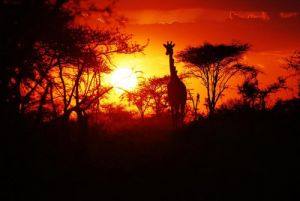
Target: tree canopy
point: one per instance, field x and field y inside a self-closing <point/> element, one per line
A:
<point x="51" y="64"/>
<point x="214" y="65"/>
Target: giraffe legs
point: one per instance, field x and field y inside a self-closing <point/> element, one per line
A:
<point x="178" y="115"/>
<point x="174" y="116"/>
<point x="181" y="114"/>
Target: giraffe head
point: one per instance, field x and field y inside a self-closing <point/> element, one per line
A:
<point x="169" y="47"/>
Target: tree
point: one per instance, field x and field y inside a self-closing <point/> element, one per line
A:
<point x="249" y="91"/>
<point x="156" y="88"/>
<point x="215" y="66"/>
<point x="255" y="97"/>
<point x="150" y="94"/>
<point x="24" y="24"/>
<point x="51" y="65"/>
<point x="77" y="73"/>
<point x="195" y="104"/>
<point x="81" y="73"/>
<point x="139" y="97"/>
<point x="293" y="63"/>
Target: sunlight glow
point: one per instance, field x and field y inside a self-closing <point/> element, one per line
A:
<point x="123" y="79"/>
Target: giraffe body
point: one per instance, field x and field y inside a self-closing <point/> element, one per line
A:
<point x="177" y="93"/>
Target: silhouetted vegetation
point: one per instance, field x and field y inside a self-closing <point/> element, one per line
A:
<point x="236" y="154"/>
<point x="150" y="94"/>
<point x="195" y="103"/>
<point x="60" y="140"/>
<point x="139" y="98"/>
<point x="255" y="97"/>
<point x="293" y="63"/>
<point x="53" y="66"/>
<point x="215" y="66"/>
<point x="157" y="89"/>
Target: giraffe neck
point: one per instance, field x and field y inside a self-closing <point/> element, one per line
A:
<point x="172" y="67"/>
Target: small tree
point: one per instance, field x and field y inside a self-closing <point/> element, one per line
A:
<point x="256" y="97"/>
<point x="215" y="65"/>
<point x="156" y="88"/>
<point x="293" y="63"/>
<point x="195" y="104"/>
<point x="249" y="91"/>
<point x="139" y="97"/>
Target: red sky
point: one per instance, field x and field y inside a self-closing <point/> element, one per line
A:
<point x="269" y="5"/>
<point x="270" y="26"/>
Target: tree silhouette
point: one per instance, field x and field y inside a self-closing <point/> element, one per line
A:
<point x="25" y="24"/>
<point x="81" y="73"/>
<point x="195" y="104"/>
<point x="215" y="65"/>
<point x="50" y="64"/>
<point x="293" y="63"/>
<point x="249" y="91"/>
<point x="255" y="97"/>
<point x="156" y="87"/>
<point x="149" y="94"/>
<point x="139" y="97"/>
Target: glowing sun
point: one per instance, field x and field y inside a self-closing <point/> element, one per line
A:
<point x="123" y="78"/>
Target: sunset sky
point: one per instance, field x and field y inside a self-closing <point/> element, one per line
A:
<point x="271" y="27"/>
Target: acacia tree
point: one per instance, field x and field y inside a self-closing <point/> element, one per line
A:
<point x="215" y="66"/>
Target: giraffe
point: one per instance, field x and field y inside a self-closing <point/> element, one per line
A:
<point x="177" y="93"/>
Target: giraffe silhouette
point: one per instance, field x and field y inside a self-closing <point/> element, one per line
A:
<point x="177" y="93"/>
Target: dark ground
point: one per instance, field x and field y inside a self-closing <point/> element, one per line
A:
<point x="233" y="156"/>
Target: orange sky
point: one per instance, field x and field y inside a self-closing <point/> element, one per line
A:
<point x="271" y="27"/>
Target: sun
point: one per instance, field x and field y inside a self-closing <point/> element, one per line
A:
<point x="124" y="79"/>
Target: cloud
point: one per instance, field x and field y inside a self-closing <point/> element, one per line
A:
<point x="193" y="15"/>
<point x="249" y="15"/>
<point x="190" y="11"/>
<point x="286" y="15"/>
